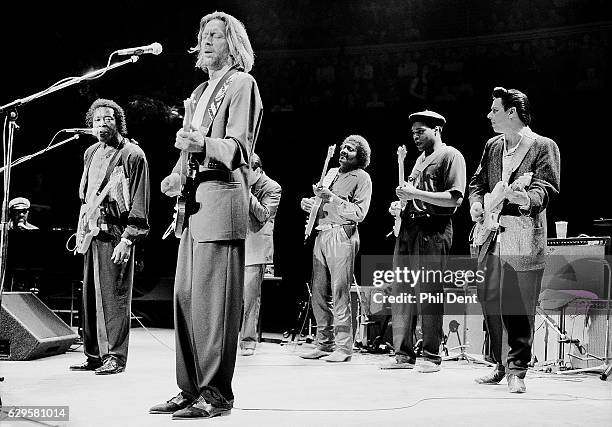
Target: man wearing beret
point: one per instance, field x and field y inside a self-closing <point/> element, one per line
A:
<point x="427" y="201"/>
<point x="513" y="255"/>
<point x="19" y="209"/>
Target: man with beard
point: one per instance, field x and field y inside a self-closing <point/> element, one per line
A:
<point x="117" y="161"/>
<point x="209" y="278"/>
<point x="259" y="244"/>
<point x="431" y="195"/>
<point x="513" y="256"/>
<point x="345" y="194"/>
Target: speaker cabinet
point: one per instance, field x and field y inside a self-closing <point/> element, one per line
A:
<point x="29" y="330"/>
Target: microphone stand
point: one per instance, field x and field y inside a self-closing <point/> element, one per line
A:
<point x="38" y="153"/>
<point x="10" y="125"/>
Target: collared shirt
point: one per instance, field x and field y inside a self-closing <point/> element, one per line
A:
<point x="355" y="190"/>
<point x="446" y="172"/>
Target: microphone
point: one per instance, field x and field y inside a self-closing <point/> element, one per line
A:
<point x="154" y="48"/>
<point x="84" y="131"/>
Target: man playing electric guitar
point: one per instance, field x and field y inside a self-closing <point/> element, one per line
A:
<point x="122" y="219"/>
<point x="345" y="193"/>
<point x="513" y="257"/>
<point x="431" y="195"/>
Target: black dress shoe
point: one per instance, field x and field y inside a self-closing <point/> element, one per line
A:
<point x="88" y="365"/>
<point x="492" y="378"/>
<point x="201" y="409"/>
<point x="178" y="402"/>
<point x="110" y="366"/>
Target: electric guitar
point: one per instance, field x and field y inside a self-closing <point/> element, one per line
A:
<point x="493" y="203"/>
<point x="89" y="214"/>
<point x="401" y="156"/>
<point x="312" y="217"/>
<point x="186" y="204"/>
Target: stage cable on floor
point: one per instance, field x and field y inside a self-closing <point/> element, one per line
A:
<point x="151" y="333"/>
<point x="570" y="398"/>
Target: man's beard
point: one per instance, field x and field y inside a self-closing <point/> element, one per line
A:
<point x="217" y="63"/>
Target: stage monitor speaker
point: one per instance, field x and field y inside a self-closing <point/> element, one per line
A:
<point x="30" y="330"/>
<point x="577" y="263"/>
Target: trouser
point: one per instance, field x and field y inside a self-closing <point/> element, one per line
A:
<point x="422" y="244"/>
<point x="509" y="299"/>
<point x="333" y="261"/>
<point x="207" y="299"/>
<point x="107" y="296"/>
<point x="253" y="276"/>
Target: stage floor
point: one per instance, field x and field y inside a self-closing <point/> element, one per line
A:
<point x="275" y="387"/>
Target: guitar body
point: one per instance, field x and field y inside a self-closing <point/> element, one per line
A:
<point x="87" y="227"/>
<point x="186" y="206"/>
<point x="492" y="206"/>
<point x="312" y="217"/>
<point x="89" y="215"/>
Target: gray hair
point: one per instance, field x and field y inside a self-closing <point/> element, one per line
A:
<point x="240" y="51"/>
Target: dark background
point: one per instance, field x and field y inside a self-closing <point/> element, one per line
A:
<point x="325" y="70"/>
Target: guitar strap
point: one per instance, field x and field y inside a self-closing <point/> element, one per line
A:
<point x="330" y="178"/>
<point x="111" y="167"/>
<point x="214" y="102"/>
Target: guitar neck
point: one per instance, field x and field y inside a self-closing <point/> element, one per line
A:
<point x="324" y="171"/>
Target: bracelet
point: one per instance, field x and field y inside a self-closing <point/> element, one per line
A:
<point x="127" y="241"/>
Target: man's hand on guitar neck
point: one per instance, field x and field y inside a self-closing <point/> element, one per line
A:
<point x="406" y="192"/>
<point x="192" y="141"/>
<point x="171" y="185"/>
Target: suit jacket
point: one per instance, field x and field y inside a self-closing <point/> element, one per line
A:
<point x="523" y="241"/>
<point x="224" y="206"/>
<point x="265" y="197"/>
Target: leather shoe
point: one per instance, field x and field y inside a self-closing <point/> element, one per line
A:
<point x="400" y="362"/>
<point x="88" y="365"/>
<point x="247" y="351"/>
<point x="492" y="378"/>
<point x="178" y="402"/>
<point x="337" y="356"/>
<point x="202" y="409"/>
<point x="516" y="384"/>
<point x="427" y="367"/>
<point x="110" y="366"/>
<point x="315" y="354"/>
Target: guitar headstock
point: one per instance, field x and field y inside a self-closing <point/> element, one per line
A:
<point x="522" y="181"/>
<point x="330" y="151"/>
<point x="401" y="153"/>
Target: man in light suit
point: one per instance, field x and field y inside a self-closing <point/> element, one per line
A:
<point x="513" y="257"/>
<point x="210" y="267"/>
<point x="259" y="247"/>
